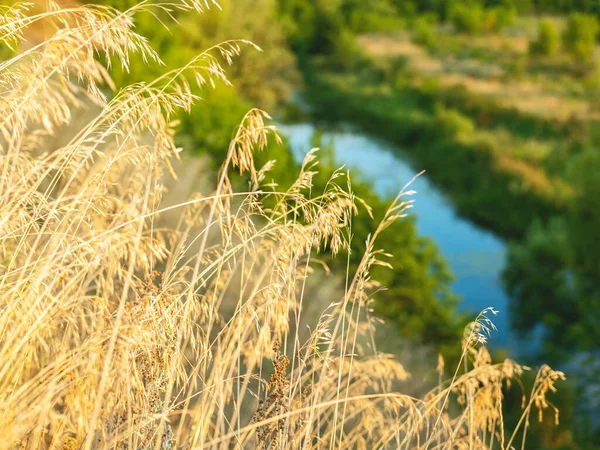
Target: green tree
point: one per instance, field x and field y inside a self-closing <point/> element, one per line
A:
<point x="553" y="274"/>
<point x="365" y="17"/>
<point x="497" y="18"/>
<point x="539" y="283"/>
<point x="584" y="220"/>
<point x="568" y="6"/>
<point x="467" y="17"/>
<point x="547" y="41"/>
<point x="472" y="16"/>
<point x="579" y="37"/>
<point x="451" y="123"/>
<point x="423" y="33"/>
<point x="521" y="6"/>
<point x="313" y="26"/>
<point x="405" y="8"/>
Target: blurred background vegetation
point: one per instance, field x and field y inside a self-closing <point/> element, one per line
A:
<point x="497" y="99"/>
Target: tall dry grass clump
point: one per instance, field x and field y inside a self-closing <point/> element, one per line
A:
<point x="118" y="332"/>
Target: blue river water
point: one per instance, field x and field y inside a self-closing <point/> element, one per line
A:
<point x="476" y="256"/>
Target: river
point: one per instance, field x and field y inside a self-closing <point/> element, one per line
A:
<point x="475" y="256"/>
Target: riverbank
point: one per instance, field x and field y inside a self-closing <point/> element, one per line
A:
<point x="487" y="186"/>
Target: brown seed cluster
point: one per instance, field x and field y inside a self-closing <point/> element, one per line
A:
<point x="275" y="403"/>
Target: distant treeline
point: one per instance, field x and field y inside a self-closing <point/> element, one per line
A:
<point x="441" y="7"/>
<point x="329" y="27"/>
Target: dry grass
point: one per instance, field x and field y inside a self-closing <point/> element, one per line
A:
<point x="389" y="46"/>
<point x="120" y="332"/>
<point x="481" y="78"/>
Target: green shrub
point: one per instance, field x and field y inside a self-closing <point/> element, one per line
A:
<point x="498" y="18"/>
<point x="450" y="122"/>
<point x="591" y="81"/>
<point x="579" y="38"/>
<point x="371" y="22"/>
<point x="405" y="8"/>
<point x="424" y="34"/>
<point x="430" y="86"/>
<point x="522" y="6"/>
<point x="547" y="41"/>
<point x="467" y="18"/>
<point x="345" y="52"/>
<point x="472" y="16"/>
<point x="373" y="16"/>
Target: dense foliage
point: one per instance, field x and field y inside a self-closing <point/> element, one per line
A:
<point x="579" y="37"/>
<point x="547" y="42"/>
